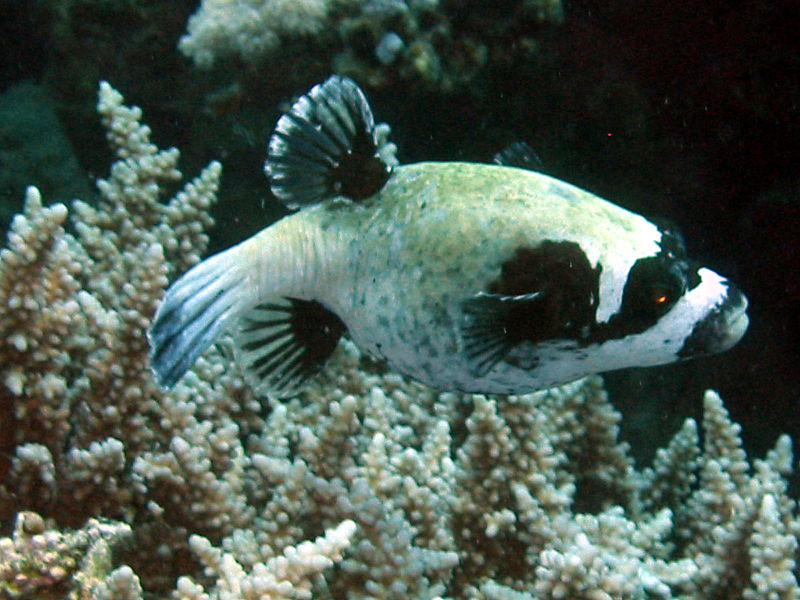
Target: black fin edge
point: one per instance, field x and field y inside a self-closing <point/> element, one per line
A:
<point x="328" y="145"/>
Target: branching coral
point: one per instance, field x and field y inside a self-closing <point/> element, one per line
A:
<point x="441" y="44"/>
<point x="76" y="394"/>
<point x="364" y="486"/>
<point x="42" y="563"/>
<point x="251" y="29"/>
<point x="77" y="402"/>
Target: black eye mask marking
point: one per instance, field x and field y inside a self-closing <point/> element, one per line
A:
<point x="551" y="292"/>
<point x="654" y="285"/>
<point x="543" y="293"/>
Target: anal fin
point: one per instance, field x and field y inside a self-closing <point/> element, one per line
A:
<point x="282" y="344"/>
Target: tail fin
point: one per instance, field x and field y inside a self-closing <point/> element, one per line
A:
<point x="198" y="307"/>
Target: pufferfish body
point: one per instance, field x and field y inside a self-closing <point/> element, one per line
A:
<point x="487" y="278"/>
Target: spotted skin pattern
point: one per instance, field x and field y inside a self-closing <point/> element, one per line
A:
<point x="398" y="268"/>
<point x="471" y="277"/>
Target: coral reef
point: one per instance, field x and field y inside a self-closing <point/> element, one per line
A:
<point x="76" y="402"/>
<point x="364" y="486"/>
<point x="441" y="44"/>
<point x="41" y="563"/>
<point x="249" y="29"/>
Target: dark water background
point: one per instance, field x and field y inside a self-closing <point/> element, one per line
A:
<point x="686" y="110"/>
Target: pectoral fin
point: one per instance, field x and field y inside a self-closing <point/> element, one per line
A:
<point x="496" y="323"/>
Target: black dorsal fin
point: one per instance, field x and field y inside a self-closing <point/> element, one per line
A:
<point x="282" y="344"/>
<point x="521" y="155"/>
<point x="328" y="145"/>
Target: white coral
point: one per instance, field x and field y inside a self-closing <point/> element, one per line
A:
<point x="286" y="576"/>
<point x="248" y="28"/>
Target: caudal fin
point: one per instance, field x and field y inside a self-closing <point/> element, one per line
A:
<point x="197" y="308"/>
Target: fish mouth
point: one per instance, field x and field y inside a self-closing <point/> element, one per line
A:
<point x="722" y="328"/>
<point x="736" y="327"/>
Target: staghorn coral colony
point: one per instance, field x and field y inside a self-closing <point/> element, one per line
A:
<point x="365" y="486"/>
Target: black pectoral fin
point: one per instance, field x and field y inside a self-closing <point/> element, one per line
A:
<point x="328" y="145"/>
<point x="495" y="324"/>
<point x="282" y="344"/>
<point x="521" y="155"/>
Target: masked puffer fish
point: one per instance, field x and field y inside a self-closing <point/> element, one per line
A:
<point x="486" y="278"/>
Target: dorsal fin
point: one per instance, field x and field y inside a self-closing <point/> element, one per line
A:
<point x="519" y="154"/>
<point x="283" y="343"/>
<point x="328" y="145"/>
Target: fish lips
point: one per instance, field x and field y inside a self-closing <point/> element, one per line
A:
<point x="722" y="328"/>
